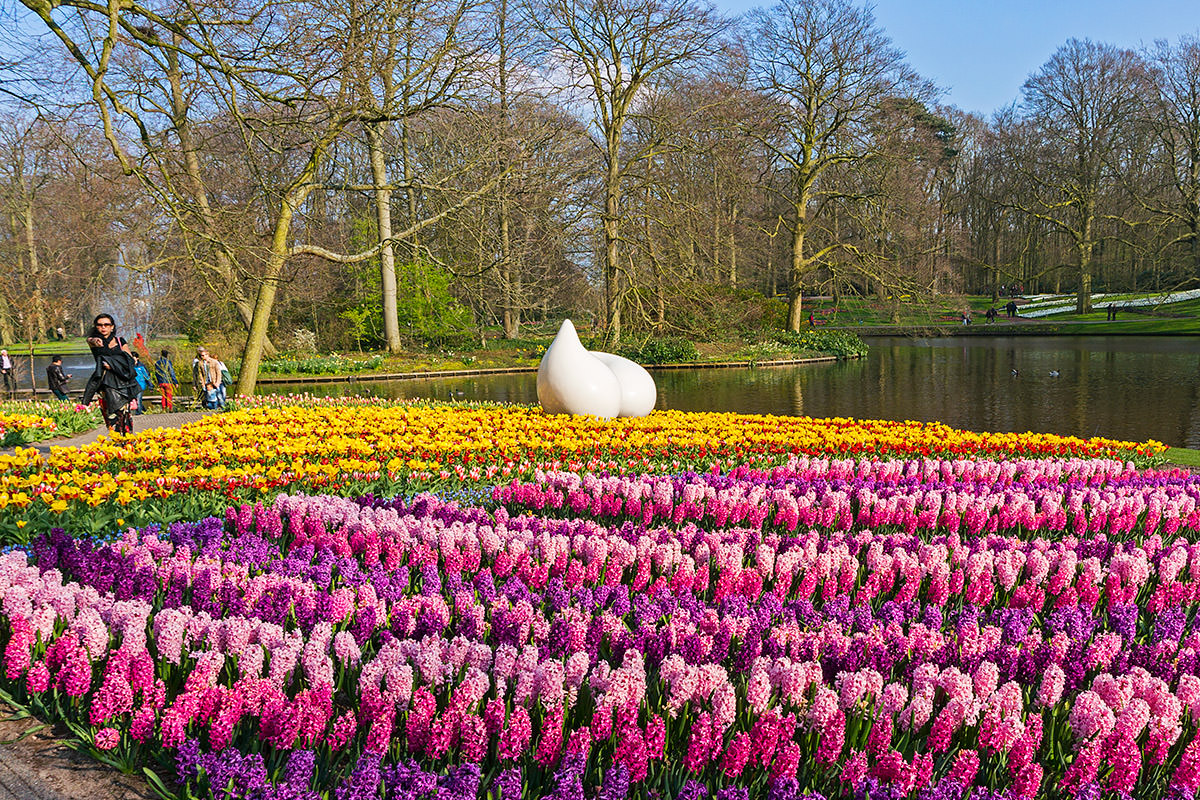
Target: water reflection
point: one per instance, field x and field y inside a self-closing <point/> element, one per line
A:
<point x="1125" y="387"/>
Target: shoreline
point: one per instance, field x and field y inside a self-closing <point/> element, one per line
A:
<point x="461" y="373"/>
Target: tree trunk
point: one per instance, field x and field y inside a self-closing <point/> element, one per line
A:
<point x="509" y="318"/>
<point x="7" y="332"/>
<point x="292" y="199"/>
<point x="387" y="255"/>
<point x="191" y="164"/>
<point x="733" y="254"/>
<point x="1083" y="301"/>
<point x="253" y="353"/>
<point x="795" y="283"/>
<point x="612" y="232"/>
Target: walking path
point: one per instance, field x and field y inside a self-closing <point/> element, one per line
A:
<point x="145" y="422"/>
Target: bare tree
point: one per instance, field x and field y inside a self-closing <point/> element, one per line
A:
<point x="826" y="69"/>
<point x="1174" y="117"/>
<point x="615" y="50"/>
<point x="408" y="57"/>
<point x="1080" y="101"/>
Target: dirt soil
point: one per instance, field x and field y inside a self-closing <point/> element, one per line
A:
<point x="35" y="764"/>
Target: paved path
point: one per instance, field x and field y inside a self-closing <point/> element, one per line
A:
<point x="144" y="422"/>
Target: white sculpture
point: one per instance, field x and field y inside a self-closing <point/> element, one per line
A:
<point x="638" y="392"/>
<point x="573" y="380"/>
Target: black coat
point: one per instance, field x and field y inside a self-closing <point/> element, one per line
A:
<point x="56" y="377"/>
<point x="118" y="383"/>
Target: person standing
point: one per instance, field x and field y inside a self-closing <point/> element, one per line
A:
<point x="7" y="370"/>
<point x="115" y="381"/>
<point x="226" y="381"/>
<point x="197" y="374"/>
<point x="210" y="376"/>
<point x="143" y="380"/>
<point x="56" y="379"/>
<point x="164" y="376"/>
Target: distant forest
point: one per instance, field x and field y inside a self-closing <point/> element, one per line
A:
<point x="409" y="171"/>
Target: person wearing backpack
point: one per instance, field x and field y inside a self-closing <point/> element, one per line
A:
<point x="164" y="376"/>
<point x="143" y="381"/>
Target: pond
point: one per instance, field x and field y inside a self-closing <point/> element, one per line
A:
<point x="1127" y="387"/>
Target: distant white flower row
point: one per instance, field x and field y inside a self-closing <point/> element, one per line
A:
<point x="1045" y="305"/>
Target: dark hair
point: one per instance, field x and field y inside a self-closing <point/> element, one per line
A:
<point x="96" y="321"/>
<point x="166" y="353"/>
<point x="55" y="359"/>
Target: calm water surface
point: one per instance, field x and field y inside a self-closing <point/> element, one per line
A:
<point x="1125" y="387"/>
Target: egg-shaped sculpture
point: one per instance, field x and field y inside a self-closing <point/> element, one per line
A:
<point x="638" y="392"/>
<point x="573" y="381"/>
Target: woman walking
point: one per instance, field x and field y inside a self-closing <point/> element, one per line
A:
<point x="115" y="380"/>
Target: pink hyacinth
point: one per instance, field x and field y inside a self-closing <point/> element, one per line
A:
<point x="966" y="766"/>
<point x="107" y="738"/>
<point x="1051" y="689"/>
<point x="514" y="739"/>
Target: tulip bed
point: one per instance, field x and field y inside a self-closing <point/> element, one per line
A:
<point x="183" y="474"/>
<point x="790" y="627"/>
<point x="25" y="421"/>
<point x="22" y="428"/>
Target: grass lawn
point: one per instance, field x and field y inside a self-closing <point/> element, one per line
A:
<point x="1183" y="456"/>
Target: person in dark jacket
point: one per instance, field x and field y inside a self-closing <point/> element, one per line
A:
<point x="56" y="378"/>
<point x="115" y="378"/>
<point x="164" y="376"/>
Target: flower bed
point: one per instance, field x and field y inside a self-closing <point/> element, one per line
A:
<point x="171" y="474"/>
<point x="22" y="428"/>
<point x="825" y="627"/>
<point x="25" y="421"/>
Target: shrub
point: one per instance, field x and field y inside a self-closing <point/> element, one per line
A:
<point x="319" y="365"/>
<point x="427" y="310"/>
<point x="707" y="312"/>
<point x="303" y="341"/>
<point x="836" y="343"/>
<point x="660" y="350"/>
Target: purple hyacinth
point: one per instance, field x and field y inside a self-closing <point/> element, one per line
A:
<point x="568" y="780"/>
<point x="733" y="793"/>
<point x="460" y="783"/>
<point x="363" y="783"/>
<point x="507" y="784"/>
<point x="616" y="783"/>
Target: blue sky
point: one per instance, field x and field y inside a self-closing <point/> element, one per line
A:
<point x="981" y="52"/>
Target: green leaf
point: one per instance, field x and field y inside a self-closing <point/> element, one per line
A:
<point x="28" y="732"/>
<point x="156" y="783"/>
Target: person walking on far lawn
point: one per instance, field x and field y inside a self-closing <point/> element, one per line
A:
<point x="164" y="376"/>
<point x="56" y="379"/>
